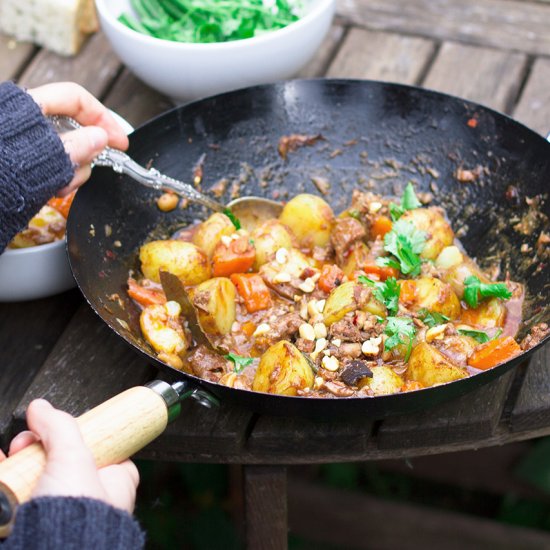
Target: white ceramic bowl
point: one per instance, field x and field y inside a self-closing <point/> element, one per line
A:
<point x="38" y="271"/>
<point x="185" y="72"/>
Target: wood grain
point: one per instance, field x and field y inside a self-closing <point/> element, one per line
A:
<point x="265" y="507"/>
<point x="533" y="108"/>
<point x="94" y="68"/>
<point x="13" y="56"/>
<point x="484" y="75"/>
<point x="503" y="24"/>
<point x="381" y="56"/>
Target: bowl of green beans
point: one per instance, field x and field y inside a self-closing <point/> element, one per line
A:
<point x="188" y="49"/>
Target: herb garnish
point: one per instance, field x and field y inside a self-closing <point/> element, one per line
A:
<point x="479" y="335"/>
<point x="239" y="361"/>
<point x="405" y="242"/>
<point x="386" y="292"/>
<point x="432" y="318"/>
<point x="409" y="201"/>
<point x="209" y="20"/>
<point x="396" y="329"/>
<point x="234" y="220"/>
<point x="474" y="290"/>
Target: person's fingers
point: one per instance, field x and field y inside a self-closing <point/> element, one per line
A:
<point x="59" y="434"/>
<point x="120" y="482"/>
<point x="85" y="144"/>
<point x="22" y="440"/>
<point x="70" y="99"/>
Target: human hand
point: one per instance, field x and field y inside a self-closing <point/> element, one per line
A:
<point x="99" y="127"/>
<point x="70" y="468"/>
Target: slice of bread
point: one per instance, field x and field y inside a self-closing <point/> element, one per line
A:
<point x="58" y="25"/>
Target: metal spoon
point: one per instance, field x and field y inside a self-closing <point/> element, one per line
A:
<point x="249" y="210"/>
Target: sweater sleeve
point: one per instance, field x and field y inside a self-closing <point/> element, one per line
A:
<point x="51" y="523"/>
<point x="33" y="161"/>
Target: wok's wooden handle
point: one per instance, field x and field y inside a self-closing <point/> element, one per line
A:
<point x="113" y="431"/>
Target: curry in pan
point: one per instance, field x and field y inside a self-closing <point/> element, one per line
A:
<point x="378" y="299"/>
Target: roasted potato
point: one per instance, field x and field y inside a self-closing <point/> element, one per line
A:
<point x="215" y="303"/>
<point x="383" y="382"/>
<point x="430" y="367"/>
<point x="456" y="275"/>
<point x="431" y="294"/>
<point x="490" y="313"/>
<point x="161" y="327"/>
<point x="310" y="218"/>
<point x="431" y="221"/>
<point x="283" y="370"/>
<point x="210" y="232"/>
<point x="348" y="297"/>
<point x="180" y="258"/>
<point x="269" y="237"/>
<point x="357" y="258"/>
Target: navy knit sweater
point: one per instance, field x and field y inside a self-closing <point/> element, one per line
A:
<point x="33" y="167"/>
<point x="33" y="162"/>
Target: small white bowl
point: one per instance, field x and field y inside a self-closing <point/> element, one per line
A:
<point x="42" y="270"/>
<point x="188" y="71"/>
<point x="34" y="272"/>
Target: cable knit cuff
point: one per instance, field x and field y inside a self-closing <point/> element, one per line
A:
<point x="33" y="161"/>
<point x="69" y="523"/>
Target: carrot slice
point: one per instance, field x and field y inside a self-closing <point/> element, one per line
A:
<point x="380" y="226"/>
<point x="382" y="272"/>
<point x="145" y="296"/>
<point x="236" y="257"/>
<point x="253" y="291"/>
<point x="494" y="352"/>
<point x="248" y="328"/>
<point x="331" y="277"/>
<point x="62" y="204"/>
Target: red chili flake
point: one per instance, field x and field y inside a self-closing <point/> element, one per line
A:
<point x="110" y="254"/>
<point x="102" y="275"/>
<point x="472" y="122"/>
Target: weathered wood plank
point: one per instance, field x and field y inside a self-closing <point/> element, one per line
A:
<point x="317" y="66"/>
<point x="473" y="416"/>
<point x="28" y="332"/>
<point x="503" y="24"/>
<point x="13" y="56"/>
<point x="94" y="67"/>
<point x="532" y="407"/>
<point x="484" y="75"/>
<point x="134" y="100"/>
<point x="349" y="519"/>
<point x="265" y="507"/>
<point x="88" y="365"/>
<point x="381" y="56"/>
<point x="533" y="108"/>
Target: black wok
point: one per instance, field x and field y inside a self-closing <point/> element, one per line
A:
<point x="376" y="135"/>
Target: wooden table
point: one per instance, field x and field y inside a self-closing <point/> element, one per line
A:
<point x="496" y="52"/>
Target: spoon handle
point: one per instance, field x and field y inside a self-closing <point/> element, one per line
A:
<point x="123" y="164"/>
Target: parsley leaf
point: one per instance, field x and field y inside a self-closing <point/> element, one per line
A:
<point x="239" y="361"/>
<point x="405" y="242"/>
<point x="396" y="329"/>
<point x="409" y="201"/>
<point x="432" y="318"/>
<point x="234" y="220"/>
<point x="386" y="292"/>
<point x="474" y="290"/>
<point x="478" y="335"/>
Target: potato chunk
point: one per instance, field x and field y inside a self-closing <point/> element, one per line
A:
<point x="431" y="294"/>
<point x="283" y="370"/>
<point x="383" y="382"/>
<point x="215" y="303"/>
<point x="430" y="367"/>
<point x="182" y="259"/>
<point x="348" y="297"/>
<point x="210" y="232"/>
<point x="439" y="232"/>
<point x="310" y="218"/>
<point x="269" y="237"/>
